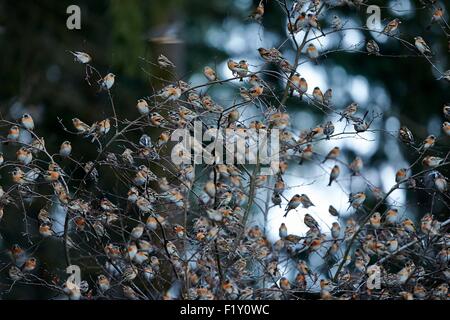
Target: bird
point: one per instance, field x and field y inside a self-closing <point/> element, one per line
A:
<point x="446" y="108"/>
<point x="432" y="161"/>
<point x="328" y="129"/>
<point x="437" y="16"/>
<point x="81" y="57"/>
<point x="336" y="23"/>
<point x="65" y="149"/>
<point x="428" y="142"/>
<point x="305" y="201"/>
<point x="392" y="26"/>
<point x="356" y="165"/>
<point x="349" y="111"/>
<point x="446" y="128"/>
<point x="306" y="154"/>
<point x="327" y="96"/>
<point x="107" y="82"/>
<point x="27" y="121"/>
<point x="406" y="135"/>
<point x="400" y="175"/>
<point x="13" y="133"/>
<point x="24" y="156"/>
<point x="335" y="230"/>
<point x="332" y="210"/>
<point x="312" y="52"/>
<point x="310" y="222"/>
<point x="164" y="62"/>
<point x="372" y="47"/>
<point x="276" y="199"/>
<point x="142" y="107"/>
<point x="313" y="21"/>
<point x="357" y="199"/>
<point x="293" y="204"/>
<point x="103" y="283"/>
<point x="422" y="46"/>
<point x="334" y="174"/>
<point x="258" y="12"/>
<point x="209" y="73"/>
<point x="332" y="154"/>
<point x="318" y="95"/>
<point x="80" y="126"/>
<point x="283" y="232"/>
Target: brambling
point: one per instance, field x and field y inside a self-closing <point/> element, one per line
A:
<point x="81" y="57"/>
<point x="313" y="21"/>
<point x="282" y="231"/>
<point x="372" y="47"/>
<point x="242" y="69"/>
<point x="356" y="165"/>
<point x="80" y="126"/>
<point x="65" y="149"/>
<point x="428" y="142"/>
<point x="170" y="93"/>
<point x="408" y="225"/>
<point x="310" y="222"/>
<point x="18" y="176"/>
<point x="336" y="23"/>
<point x="276" y="199"/>
<point x="392" y="26"/>
<point x="306" y="154"/>
<point x="284" y="284"/>
<point x="24" y="156"/>
<point x="437" y="16"/>
<point x="333" y="211"/>
<point x="375" y="220"/>
<point x="258" y="12"/>
<point x="312" y="52"/>
<point x="233" y="66"/>
<point x="356" y="200"/>
<point x="101" y="128"/>
<point x="446" y="128"/>
<point x="27" y="121"/>
<point x="13" y="133"/>
<point x="333" y="154"/>
<point x="400" y="175"/>
<point x="14" y="273"/>
<point x="328" y="96"/>
<point x="294" y="83"/>
<point x="209" y="73"/>
<point x="335" y="230"/>
<point x="29" y="265"/>
<point x="142" y="107"/>
<point x="254" y="80"/>
<point x="422" y="46"/>
<point x="391" y="216"/>
<point x="271" y="54"/>
<point x="163" y="138"/>
<point x="334" y="174"/>
<point x="37" y="145"/>
<point x="293" y="204"/>
<point x="107" y="82"/>
<point x="349" y="111"/>
<point x="432" y="161"/>
<point x="107" y="205"/>
<point x="103" y="283"/>
<point x="45" y="230"/>
<point x="156" y="119"/>
<point x="406" y="135"/>
<point x="144" y="205"/>
<point x="328" y="129"/>
<point x="2" y="159"/>
<point x="318" y="95"/>
<point x="441" y="183"/>
<point x="137" y="232"/>
<point x="285" y="66"/>
<point x="164" y="62"/>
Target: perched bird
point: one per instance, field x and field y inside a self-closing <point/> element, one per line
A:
<point x="356" y="165"/>
<point x="422" y="46"/>
<point x="283" y="232"/>
<point x="392" y="26"/>
<point x="406" y="135"/>
<point x="27" y="121"/>
<point x="400" y="175"/>
<point x="310" y="222"/>
<point x="142" y="107"/>
<point x="349" y="111"/>
<point x="428" y="142"/>
<point x="328" y="96"/>
<point x="332" y="210"/>
<point x="307" y="153"/>
<point x="276" y="199"/>
<point x="372" y="47"/>
<point x="295" y="201"/>
<point x="391" y="216"/>
<point x="107" y="82"/>
<point x="209" y="73"/>
<point x="357" y="199"/>
<point x="313" y="21"/>
<point x="65" y="149"/>
<point x="258" y="12"/>
<point x="103" y="283"/>
<point x="81" y="57"/>
<point x="80" y="126"/>
<point x="334" y="174"/>
<point x="328" y="129"/>
<point x="375" y="220"/>
<point x="164" y="62"/>
<point x="446" y="108"/>
<point x="318" y="95"/>
<point x="305" y="201"/>
<point x="336" y="23"/>
<point x="270" y="55"/>
<point x="13" y="133"/>
<point x="438" y="14"/>
<point x="335" y="230"/>
<point x="432" y="161"/>
<point x="312" y="52"/>
<point x="333" y="154"/>
<point x="24" y="156"/>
